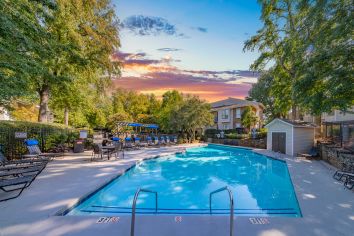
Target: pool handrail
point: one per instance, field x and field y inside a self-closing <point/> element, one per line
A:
<point x="226" y="188"/>
<point x="132" y="224"/>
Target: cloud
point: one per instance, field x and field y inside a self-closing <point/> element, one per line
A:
<point x="169" y="49"/>
<point x="200" y="29"/>
<point x="159" y="75"/>
<point x="150" y="25"/>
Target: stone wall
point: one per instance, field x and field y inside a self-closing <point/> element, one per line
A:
<point x="255" y="143"/>
<point x="336" y="156"/>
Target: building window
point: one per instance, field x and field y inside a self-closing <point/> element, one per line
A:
<point x="225" y="114"/>
<point x="238" y="113"/>
<point x="225" y="126"/>
<point x="238" y="125"/>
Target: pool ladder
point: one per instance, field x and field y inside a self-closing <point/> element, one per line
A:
<point x="226" y="188"/>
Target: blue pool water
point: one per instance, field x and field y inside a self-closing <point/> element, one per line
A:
<point x="261" y="186"/>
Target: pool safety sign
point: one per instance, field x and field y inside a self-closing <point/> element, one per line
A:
<point x="259" y="221"/>
<point x="105" y="220"/>
<point x="178" y="219"/>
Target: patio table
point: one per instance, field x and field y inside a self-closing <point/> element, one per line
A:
<point x="109" y="149"/>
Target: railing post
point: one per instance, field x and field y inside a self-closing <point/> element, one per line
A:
<point x="231" y="205"/>
<point x="132" y="224"/>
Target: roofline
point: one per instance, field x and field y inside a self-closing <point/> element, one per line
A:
<point x="297" y="126"/>
<point x="236" y="106"/>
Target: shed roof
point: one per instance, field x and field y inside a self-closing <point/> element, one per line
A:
<point x="294" y="123"/>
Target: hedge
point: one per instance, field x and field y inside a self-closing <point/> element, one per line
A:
<point x="48" y="135"/>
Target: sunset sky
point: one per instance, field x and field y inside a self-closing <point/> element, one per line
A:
<point x="194" y="46"/>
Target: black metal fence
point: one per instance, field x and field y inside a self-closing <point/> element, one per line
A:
<point x="12" y="138"/>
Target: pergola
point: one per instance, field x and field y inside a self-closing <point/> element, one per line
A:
<point x="121" y="125"/>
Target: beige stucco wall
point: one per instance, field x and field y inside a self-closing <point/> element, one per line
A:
<point x="279" y="126"/>
<point x="304" y="140"/>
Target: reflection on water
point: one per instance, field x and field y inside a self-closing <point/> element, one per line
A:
<point x="260" y="185"/>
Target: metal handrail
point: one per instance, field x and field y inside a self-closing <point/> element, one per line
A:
<point x="132" y="224"/>
<point x="226" y="188"/>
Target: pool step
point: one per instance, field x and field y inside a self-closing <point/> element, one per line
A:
<point x="96" y="209"/>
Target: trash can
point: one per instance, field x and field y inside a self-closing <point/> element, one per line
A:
<point x="79" y="146"/>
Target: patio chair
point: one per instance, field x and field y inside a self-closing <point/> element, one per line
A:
<point x="313" y="153"/>
<point x="174" y="140"/>
<point x="339" y="175"/>
<point x="5" y="162"/>
<point x="17" y="172"/>
<point x="349" y="183"/>
<point x="118" y="146"/>
<point x="9" y="185"/>
<point x="162" y="141"/>
<point x="156" y="141"/>
<point x="33" y="148"/>
<point x="168" y="141"/>
<point x="128" y="143"/>
<point x="97" y="151"/>
<point x="149" y="142"/>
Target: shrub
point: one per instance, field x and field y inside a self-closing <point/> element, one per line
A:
<point x="47" y="135"/>
<point x="236" y="136"/>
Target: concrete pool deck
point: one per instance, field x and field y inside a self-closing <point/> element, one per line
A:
<point x="327" y="207"/>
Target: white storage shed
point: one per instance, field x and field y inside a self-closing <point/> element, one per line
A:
<point x="290" y="137"/>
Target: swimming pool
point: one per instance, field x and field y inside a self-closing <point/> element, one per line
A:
<point x="261" y="185"/>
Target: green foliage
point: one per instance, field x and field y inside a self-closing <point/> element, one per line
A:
<point x="60" y="50"/>
<point x="248" y="118"/>
<point x="236" y="136"/>
<point x="192" y="114"/>
<point x="307" y="46"/>
<point x="51" y="133"/>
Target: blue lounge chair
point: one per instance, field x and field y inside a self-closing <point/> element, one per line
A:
<point x="162" y="141"/>
<point x="33" y="149"/>
<point x="128" y="143"/>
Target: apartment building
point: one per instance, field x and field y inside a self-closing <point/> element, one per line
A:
<point x="227" y="113"/>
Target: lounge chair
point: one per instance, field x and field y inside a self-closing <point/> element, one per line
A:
<point x="339" y="175"/>
<point x="7" y="184"/>
<point x="33" y="148"/>
<point x="168" y="142"/>
<point x="162" y="141"/>
<point x="128" y="143"/>
<point x="156" y="141"/>
<point x="174" y="140"/>
<point x="35" y="169"/>
<point x="5" y="162"/>
<point x="313" y="153"/>
<point x="149" y="141"/>
<point x="349" y="183"/>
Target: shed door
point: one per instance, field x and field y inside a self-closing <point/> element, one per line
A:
<point x="278" y="142"/>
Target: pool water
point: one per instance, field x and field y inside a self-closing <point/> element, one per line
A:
<point x="261" y="186"/>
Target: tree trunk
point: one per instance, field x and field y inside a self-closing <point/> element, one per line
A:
<point x="293" y="112"/>
<point x="43" y="103"/>
<point x="66" y="116"/>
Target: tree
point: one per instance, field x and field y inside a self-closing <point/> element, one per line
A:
<point x="308" y="45"/>
<point x="193" y="114"/>
<point x="85" y="36"/>
<point x="24" y="42"/>
<point x="249" y="118"/>
<point x="327" y="81"/>
<point x="171" y="102"/>
<point x="278" y="41"/>
<point x="271" y="94"/>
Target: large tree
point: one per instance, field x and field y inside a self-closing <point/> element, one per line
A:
<point x="278" y="41"/>
<point x="24" y="44"/>
<point x="307" y="45"/>
<point x="86" y="35"/>
<point x="193" y="114"/>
